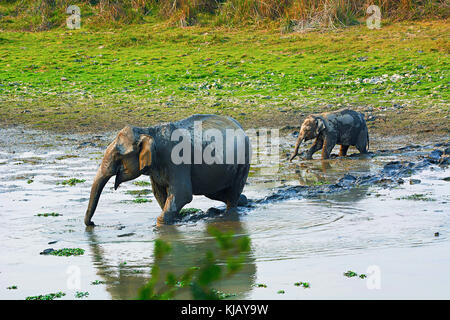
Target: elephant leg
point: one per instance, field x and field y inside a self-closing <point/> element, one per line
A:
<point x="160" y="193"/>
<point x="232" y="196"/>
<point x="343" y="151"/>
<point x="317" y="145"/>
<point x="177" y="198"/>
<point x="328" y="146"/>
<point x="362" y="142"/>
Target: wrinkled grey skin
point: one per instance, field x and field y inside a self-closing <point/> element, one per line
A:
<point x="344" y="127"/>
<point x="147" y="151"/>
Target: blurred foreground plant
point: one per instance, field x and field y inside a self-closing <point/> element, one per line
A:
<point x="198" y="279"/>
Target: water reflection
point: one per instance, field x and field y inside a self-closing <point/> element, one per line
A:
<point x="314" y="172"/>
<point x="189" y="246"/>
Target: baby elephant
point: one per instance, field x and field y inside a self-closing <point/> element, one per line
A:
<point x="344" y="127"/>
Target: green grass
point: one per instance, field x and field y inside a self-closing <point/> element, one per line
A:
<point x="87" y="80"/>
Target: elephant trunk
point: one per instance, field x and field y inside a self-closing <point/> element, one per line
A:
<point x="297" y="145"/>
<point x="97" y="188"/>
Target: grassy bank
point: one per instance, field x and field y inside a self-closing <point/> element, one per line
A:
<point x="86" y="80"/>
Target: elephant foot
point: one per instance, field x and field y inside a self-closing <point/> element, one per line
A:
<point x="89" y="223"/>
<point x="165" y="218"/>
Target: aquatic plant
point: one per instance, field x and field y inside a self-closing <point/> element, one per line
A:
<point x="12" y="287"/>
<point x="261" y="285"/>
<point x="72" y="182"/>
<point x="139" y="192"/>
<point x="142" y="183"/>
<point x="197" y="279"/>
<point x="141" y="200"/>
<point x="50" y="296"/>
<point x="350" y="274"/>
<point x="49" y="214"/>
<point x="67" y="252"/>
<point x="97" y="282"/>
<point x="189" y="211"/>
<point x="302" y="284"/>
<point x="417" y="197"/>
<point x="80" y="294"/>
<point x="280" y="292"/>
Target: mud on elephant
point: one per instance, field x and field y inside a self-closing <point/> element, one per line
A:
<point x="151" y="151"/>
<point x="344" y="127"/>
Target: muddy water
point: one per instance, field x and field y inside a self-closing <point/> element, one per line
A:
<point x="315" y="239"/>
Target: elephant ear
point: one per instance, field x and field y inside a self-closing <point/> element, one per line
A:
<point x="145" y="153"/>
<point x="320" y="125"/>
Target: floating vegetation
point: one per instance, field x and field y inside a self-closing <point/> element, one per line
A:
<point x="222" y="295"/>
<point x="141" y="200"/>
<point x="49" y="296"/>
<point x="137" y="271"/>
<point x="139" y="193"/>
<point x="350" y="274"/>
<point x="280" y="292"/>
<point x="66" y="156"/>
<point x="302" y="284"/>
<point x="97" y="282"/>
<point x="72" y="182"/>
<point x="261" y="285"/>
<point x="417" y="197"/>
<point x="80" y="294"/>
<point x="66" y="252"/>
<point x="189" y="211"/>
<point x="30" y="181"/>
<point x="49" y="214"/>
<point x="141" y="183"/>
<point x="12" y="287"/>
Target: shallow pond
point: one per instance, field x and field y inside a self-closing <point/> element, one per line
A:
<point x="397" y="235"/>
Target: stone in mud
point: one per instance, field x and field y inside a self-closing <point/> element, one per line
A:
<point x="447" y="151"/>
<point x="242" y="202"/>
<point x="414" y="181"/>
<point x="444" y="160"/>
<point x="47" y="251"/>
<point x="435" y="155"/>
<point x="392" y="166"/>
<point x="126" y="235"/>
<point x="346" y="181"/>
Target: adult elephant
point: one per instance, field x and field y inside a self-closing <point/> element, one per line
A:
<point x="201" y="155"/>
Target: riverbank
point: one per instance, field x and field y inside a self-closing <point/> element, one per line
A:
<point x="87" y="80"/>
